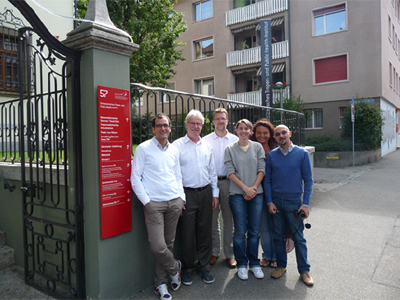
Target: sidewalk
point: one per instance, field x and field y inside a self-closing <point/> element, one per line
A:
<point x="354" y="246"/>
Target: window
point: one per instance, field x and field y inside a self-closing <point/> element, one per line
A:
<point x="249" y="42"/>
<point x="204" y="48"/>
<point x="330" y="69"/>
<point x="204" y="87"/>
<point x="330" y="19"/>
<point x="342" y="113"/>
<point x="390" y="28"/>
<point x="203" y="10"/>
<point x="9" y="61"/>
<point x="390" y="74"/>
<point x="314" y="118"/>
<point x="242" y="3"/>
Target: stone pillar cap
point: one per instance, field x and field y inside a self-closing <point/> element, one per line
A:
<point x="99" y="32"/>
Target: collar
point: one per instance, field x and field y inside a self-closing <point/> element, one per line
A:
<point x="159" y="145"/>
<point x="215" y="135"/>
<point x="291" y="147"/>
<point x="186" y="140"/>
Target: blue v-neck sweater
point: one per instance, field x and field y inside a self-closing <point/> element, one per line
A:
<point x="285" y="174"/>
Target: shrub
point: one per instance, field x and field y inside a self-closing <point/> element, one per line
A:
<point x="367" y="126"/>
<point x="332" y="144"/>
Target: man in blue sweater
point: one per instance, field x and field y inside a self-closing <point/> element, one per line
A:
<point x="288" y="166"/>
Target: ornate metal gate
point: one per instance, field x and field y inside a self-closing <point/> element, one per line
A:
<point x="48" y="85"/>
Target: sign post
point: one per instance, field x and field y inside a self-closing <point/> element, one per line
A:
<point x="115" y="160"/>
<point x="352" y="123"/>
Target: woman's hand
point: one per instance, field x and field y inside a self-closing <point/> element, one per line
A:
<point x="250" y="192"/>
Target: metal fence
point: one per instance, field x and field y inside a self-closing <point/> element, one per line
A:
<point x="147" y="101"/>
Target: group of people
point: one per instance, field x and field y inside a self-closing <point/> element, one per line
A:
<point x="258" y="179"/>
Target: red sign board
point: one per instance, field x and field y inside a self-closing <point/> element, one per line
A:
<point x="115" y="160"/>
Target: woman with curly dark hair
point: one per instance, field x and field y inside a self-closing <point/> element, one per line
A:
<point x="263" y="132"/>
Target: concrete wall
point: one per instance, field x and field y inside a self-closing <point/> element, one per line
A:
<point x="345" y="159"/>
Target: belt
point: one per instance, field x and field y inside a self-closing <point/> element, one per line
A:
<point x="196" y="189"/>
<point x="222" y="177"/>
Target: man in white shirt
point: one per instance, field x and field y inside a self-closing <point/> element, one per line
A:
<point x="219" y="139"/>
<point x="199" y="178"/>
<point x="157" y="181"/>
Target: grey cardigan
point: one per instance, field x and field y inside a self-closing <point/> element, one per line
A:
<point x="244" y="164"/>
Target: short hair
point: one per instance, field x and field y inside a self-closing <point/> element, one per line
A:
<point x="221" y="110"/>
<point x="194" y="113"/>
<point x="160" y="116"/>
<point x="245" y="122"/>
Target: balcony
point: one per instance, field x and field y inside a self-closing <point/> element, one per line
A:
<point x="255" y="11"/>
<point x="255" y="97"/>
<point x="253" y="55"/>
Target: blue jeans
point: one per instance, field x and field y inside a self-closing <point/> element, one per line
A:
<point x="285" y="215"/>
<point x="266" y="236"/>
<point x="247" y="219"/>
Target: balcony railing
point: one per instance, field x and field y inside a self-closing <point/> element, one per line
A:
<point x="253" y="55"/>
<point x="254" y="98"/>
<point x="255" y="11"/>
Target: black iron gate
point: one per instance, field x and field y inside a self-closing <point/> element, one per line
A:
<point x="48" y="84"/>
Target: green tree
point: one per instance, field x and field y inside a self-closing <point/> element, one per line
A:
<point x="367" y="126"/>
<point x="293" y="102"/>
<point x="155" y="26"/>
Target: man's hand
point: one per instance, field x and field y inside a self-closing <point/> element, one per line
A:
<point x="147" y="204"/>
<point x="215" y="202"/>
<point x="306" y="210"/>
<point x="183" y="208"/>
<point x="272" y="209"/>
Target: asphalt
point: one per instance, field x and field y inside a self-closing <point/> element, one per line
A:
<point x="354" y="246"/>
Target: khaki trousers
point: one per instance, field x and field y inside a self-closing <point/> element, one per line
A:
<point x="161" y="220"/>
<point x="227" y="218"/>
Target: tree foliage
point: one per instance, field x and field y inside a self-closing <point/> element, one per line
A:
<point x="293" y="102"/>
<point x="155" y="26"/>
<point x="367" y="126"/>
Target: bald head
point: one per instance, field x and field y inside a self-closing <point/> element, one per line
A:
<point x="283" y="127"/>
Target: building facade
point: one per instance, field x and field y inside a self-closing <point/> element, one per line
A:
<point x="326" y="52"/>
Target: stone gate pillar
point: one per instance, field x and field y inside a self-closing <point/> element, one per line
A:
<point x="113" y="266"/>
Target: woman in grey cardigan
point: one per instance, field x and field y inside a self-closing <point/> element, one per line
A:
<point x="245" y="165"/>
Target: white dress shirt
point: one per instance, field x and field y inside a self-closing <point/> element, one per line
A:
<point x="197" y="164"/>
<point x="218" y="147"/>
<point x="156" y="173"/>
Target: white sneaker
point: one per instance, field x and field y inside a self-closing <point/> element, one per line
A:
<point x="162" y="292"/>
<point x="176" y="279"/>
<point x="257" y="272"/>
<point x="242" y="273"/>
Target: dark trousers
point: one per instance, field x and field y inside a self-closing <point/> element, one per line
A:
<point x="196" y="223"/>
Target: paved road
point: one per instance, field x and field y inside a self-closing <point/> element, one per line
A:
<point x="354" y="245"/>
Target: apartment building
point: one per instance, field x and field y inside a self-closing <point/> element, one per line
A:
<point x="325" y="51"/>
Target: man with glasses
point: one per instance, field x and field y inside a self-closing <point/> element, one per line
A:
<point x="219" y="139"/>
<point x="199" y="178"/>
<point x="288" y="170"/>
<point x="157" y="181"/>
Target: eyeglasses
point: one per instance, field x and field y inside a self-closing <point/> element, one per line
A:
<point x="283" y="132"/>
<point x="162" y="125"/>
<point x="195" y="124"/>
